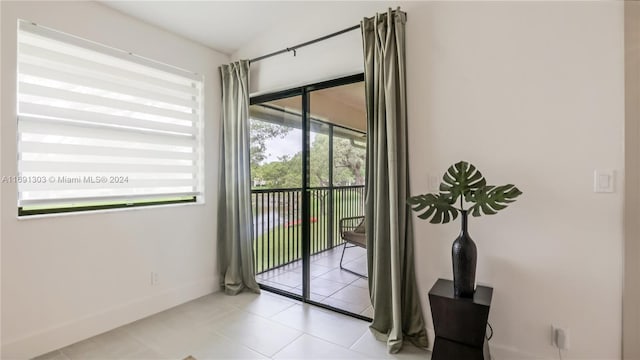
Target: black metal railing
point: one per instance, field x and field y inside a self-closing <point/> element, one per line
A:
<point x="277" y="221"/>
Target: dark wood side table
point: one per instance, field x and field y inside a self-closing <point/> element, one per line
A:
<point x="460" y="323"/>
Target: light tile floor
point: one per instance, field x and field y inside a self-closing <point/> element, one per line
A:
<point x="330" y="285"/>
<point x="246" y="326"/>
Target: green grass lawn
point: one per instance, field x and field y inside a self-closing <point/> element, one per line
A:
<point x="283" y="244"/>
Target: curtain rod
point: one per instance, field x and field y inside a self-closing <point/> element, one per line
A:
<point x="295" y="47"/>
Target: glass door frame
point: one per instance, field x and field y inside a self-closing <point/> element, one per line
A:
<point x="303" y="92"/>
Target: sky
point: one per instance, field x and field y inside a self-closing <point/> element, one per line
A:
<point x="290" y="145"/>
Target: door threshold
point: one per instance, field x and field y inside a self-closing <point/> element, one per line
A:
<point x="290" y="295"/>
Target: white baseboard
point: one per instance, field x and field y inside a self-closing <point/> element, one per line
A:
<point x="498" y="352"/>
<point x="76" y="330"/>
<point x="502" y="352"/>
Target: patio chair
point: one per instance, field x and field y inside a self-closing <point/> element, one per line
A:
<point x="352" y="231"/>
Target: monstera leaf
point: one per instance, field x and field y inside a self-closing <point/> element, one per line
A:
<point x="437" y="205"/>
<point x="488" y="200"/>
<point x="461" y="179"/>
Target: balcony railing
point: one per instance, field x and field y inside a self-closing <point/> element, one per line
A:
<point x="277" y="221"/>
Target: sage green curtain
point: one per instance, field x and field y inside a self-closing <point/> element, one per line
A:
<point x="392" y="285"/>
<point x="235" y="237"/>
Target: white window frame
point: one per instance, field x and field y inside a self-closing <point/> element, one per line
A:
<point x="95" y="116"/>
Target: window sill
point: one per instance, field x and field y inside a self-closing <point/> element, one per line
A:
<point x="104" y="211"/>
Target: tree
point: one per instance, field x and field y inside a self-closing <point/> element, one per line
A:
<point x="349" y="161"/>
<point x="260" y="132"/>
<point x="319" y="161"/>
<point x="282" y="174"/>
<point x="286" y="172"/>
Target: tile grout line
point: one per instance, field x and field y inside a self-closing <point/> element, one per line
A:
<point x="330" y="313"/>
<point x="245" y="312"/>
<point x="141" y="341"/>
<point x="215" y="331"/>
<point x="63" y="354"/>
<point x="302" y="333"/>
<point x="358" y="340"/>
<point x="339" y="345"/>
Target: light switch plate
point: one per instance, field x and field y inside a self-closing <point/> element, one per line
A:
<point x="603" y="181"/>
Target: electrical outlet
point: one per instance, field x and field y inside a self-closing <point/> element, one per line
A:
<point x="560" y="337"/>
<point x="154" y="278"/>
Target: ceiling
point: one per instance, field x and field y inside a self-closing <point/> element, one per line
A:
<point x="226" y="26"/>
<point x="222" y="25"/>
<point x="341" y="105"/>
<point x="351" y="95"/>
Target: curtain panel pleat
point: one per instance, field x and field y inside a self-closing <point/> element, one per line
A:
<point x="235" y="233"/>
<point x="390" y="252"/>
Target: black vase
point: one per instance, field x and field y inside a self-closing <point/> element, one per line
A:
<point x="464" y="256"/>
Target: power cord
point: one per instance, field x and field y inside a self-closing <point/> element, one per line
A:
<point x="490" y="336"/>
<point x="560" y="353"/>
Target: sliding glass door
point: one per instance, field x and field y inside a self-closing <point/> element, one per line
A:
<point x="276" y="174"/>
<point x="308" y="163"/>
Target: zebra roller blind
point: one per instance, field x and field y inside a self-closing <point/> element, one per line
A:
<point x="100" y="125"/>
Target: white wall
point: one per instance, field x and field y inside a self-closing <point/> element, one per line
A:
<point x="631" y="287"/>
<point x="533" y="94"/>
<point x="335" y="57"/>
<point x="65" y="278"/>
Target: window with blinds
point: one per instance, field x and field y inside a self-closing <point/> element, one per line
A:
<point x="100" y="128"/>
